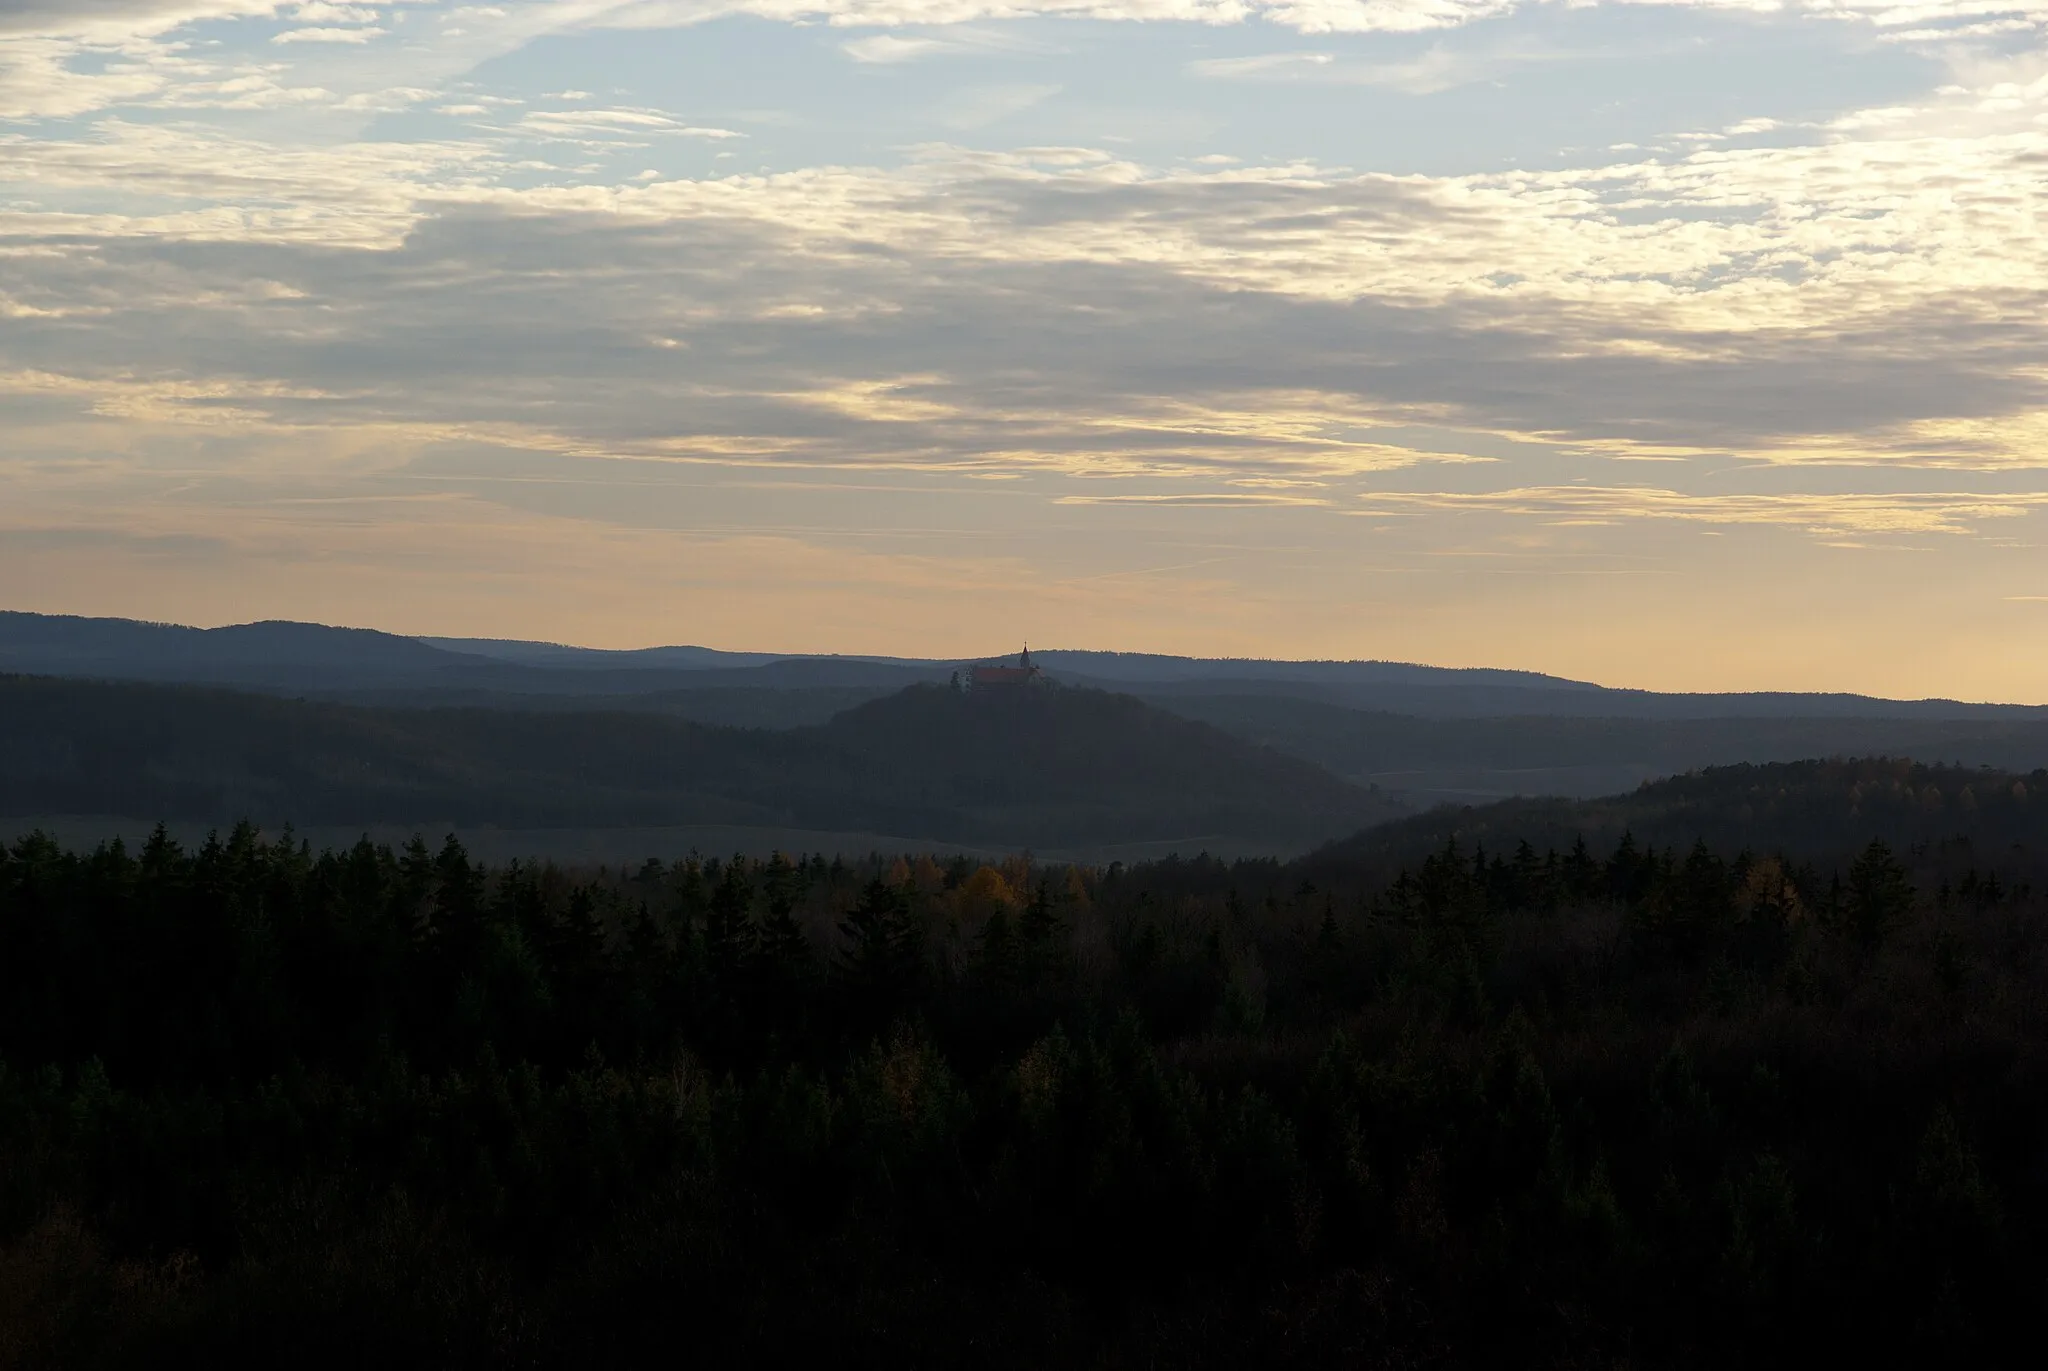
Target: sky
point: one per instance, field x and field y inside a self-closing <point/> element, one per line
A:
<point x="1689" y="345"/>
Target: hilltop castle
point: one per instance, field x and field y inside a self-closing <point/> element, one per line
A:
<point x="1023" y="674"/>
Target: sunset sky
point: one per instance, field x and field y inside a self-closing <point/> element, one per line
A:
<point x="1689" y="345"/>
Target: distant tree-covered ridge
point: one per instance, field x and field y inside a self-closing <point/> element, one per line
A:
<point x="1639" y="1101"/>
<point x="286" y="656"/>
<point x="1058" y="767"/>
<point x="1356" y="742"/>
<point x="1824" y="809"/>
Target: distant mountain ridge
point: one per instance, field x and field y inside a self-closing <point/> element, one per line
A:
<point x="59" y="643"/>
<point x="289" y="656"/>
<point x="284" y="655"/>
<point x="678" y="658"/>
<point x="1128" y="667"/>
<point x="1155" y="669"/>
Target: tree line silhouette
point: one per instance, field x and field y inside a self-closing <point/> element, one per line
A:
<point x="1646" y="1105"/>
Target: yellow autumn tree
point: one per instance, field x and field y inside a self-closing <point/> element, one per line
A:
<point x="985" y="892"/>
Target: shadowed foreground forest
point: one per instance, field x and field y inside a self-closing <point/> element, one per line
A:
<point x="1635" y="1104"/>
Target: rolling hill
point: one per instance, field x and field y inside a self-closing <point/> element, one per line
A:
<point x="1470" y="759"/>
<point x="295" y="656"/>
<point x="1420" y="735"/>
<point x="1037" y="769"/>
<point x="1816" y="811"/>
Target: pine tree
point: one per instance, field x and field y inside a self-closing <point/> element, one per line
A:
<point x="576" y="941"/>
<point x="881" y="959"/>
<point x="785" y="964"/>
<point x="729" y="931"/>
<point x="995" y="954"/>
<point x="1879" y="893"/>
<point x="1041" y="922"/>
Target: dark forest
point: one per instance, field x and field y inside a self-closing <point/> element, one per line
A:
<point x="1650" y="1102"/>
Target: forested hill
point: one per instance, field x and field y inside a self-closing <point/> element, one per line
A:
<point x="1813" y="810"/>
<point x="316" y="658"/>
<point x="1369" y="744"/>
<point x="1074" y="761"/>
<point x="1070" y="767"/>
<point x="269" y="653"/>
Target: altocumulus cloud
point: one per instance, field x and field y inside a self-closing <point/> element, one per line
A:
<point x="416" y="261"/>
<point x="1056" y="302"/>
<point x="1828" y="515"/>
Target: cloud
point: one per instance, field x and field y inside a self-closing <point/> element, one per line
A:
<point x="338" y="363"/>
<point x="1268" y="66"/>
<point x="209" y="186"/>
<point x="1827" y="515"/>
<point x="887" y="48"/>
<point x="603" y="125"/>
<point x="1868" y="297"/>
<point x="1808" y="303"/>
<point x="1198" y="500"/>
<point x="328" y="35"/>
<point x="1303" y="16"/>
<point x="1382" y="16"/>
<point x="37" y="81"/>
<point x="1953" y="18"/>
<point x="907" y="13"/>
<point x="976" y="107"/>
<point x="42" y="75"/>
<point x="890" y="49"/>
<point x="318" y="12"/>
<point x="1937" y="20"/>
<point x="120" y="18"/>
<point x="1429" y="72"/>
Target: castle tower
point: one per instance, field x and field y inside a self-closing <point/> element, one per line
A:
<point x="1003" y="676"/>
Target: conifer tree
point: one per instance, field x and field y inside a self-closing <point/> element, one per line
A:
<point x="1878" y="894"/>
<point x="882" y="957"/>
<point x="729" y="930"/>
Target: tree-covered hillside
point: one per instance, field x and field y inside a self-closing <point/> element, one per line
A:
<point x="1053" y="767"/>
<point x="1360" y="743"/>
<point x="1818" y="810"/>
